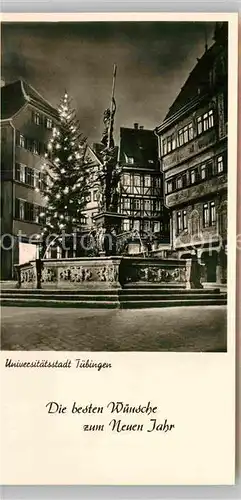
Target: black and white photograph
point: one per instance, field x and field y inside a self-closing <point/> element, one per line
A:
<point x="114" y="205"/>
<point x="119" y="245"/>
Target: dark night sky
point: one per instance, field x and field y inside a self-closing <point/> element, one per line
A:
<point x="153" y="61"/>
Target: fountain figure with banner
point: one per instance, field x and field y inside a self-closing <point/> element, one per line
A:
<point x="108" y="220"/>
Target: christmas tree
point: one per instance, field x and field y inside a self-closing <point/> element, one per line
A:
<point x="65" y="180"/>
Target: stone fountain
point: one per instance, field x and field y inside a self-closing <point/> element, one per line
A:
<point x="108" y="270"/>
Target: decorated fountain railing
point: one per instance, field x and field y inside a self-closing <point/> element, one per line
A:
<point x="151" y="270"/>
<point x="106" y="273"/>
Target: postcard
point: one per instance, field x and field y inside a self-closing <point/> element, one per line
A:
<point x="118" y="248"/>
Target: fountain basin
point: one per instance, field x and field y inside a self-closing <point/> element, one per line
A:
<point x="105" y="273"/>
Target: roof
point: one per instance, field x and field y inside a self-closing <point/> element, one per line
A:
<point x="198" y="81"/>
<point x="139" y="144"/>
<point x="15" y="95"/>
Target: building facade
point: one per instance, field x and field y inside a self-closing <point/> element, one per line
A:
<point x="142" y="200"/>
<point x="193" y="155"/>
<point x="27" y="120"/>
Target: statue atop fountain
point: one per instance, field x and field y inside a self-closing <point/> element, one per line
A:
<point x="108" y="179"/>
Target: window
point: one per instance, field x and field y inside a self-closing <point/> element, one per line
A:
<point x="157" y="182"/>
<point x="147" y="205"/>
<point x="180" y="137"/>
<point x="190" y="131"/>
<point x="36" y="212"/>
<point x="17" y="171"/>
<point x="203" y="172"/>
<point x="179" y="182"/>
<point x="127" y="180"/>
<point x="210" y="119"/>
<point x="212" y="213"/>
<point x="136" y="204"/>
<point x="126" y="225"/>
<point x="146" y="225"/>
<point x="156" y="227"/>
<point x="49" y="123"/>
<point x="179" y="222"/>
<point x="29" y="212"/>
<point x="164" y="147"/>
<point x="19" y="209"/>
<point x="147" y="180"/>
<point x="37" y="179"/>
<point x="137" y="180"/>
<point x="126" y="203"/>
<point x="20" y="172"/>
<point x="29" y="176"/>
<point x="184" y="219"/>
<point x="171" y="186"/>
<point x="205" y="215"/>
<point x="36" y="147"/>
<point x="22" y="141"/>
<point x="174" y="144"/>
<point x="95" y="195"/>
<point x="185" y="134"/>
<point x="157" y="205"/>
<point x="184" y="180"/>
<point x="205" y="122"/>
<point x="220" y="164"/>
<point x="43" y="181"/>
<point x="193" y="176"/>
<point x="199" y="125"/>
<point x="36" y="118"/>
<point x="169" y="144"/>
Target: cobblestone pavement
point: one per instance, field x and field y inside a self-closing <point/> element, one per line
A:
<point x="170" y="329"/>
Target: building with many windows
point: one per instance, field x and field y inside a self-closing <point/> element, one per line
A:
<point x="27" y="120"/>
<point x="142" y="201"/>
<point x="193" y="152"/>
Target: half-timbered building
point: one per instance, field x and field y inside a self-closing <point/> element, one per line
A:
<point x="142" y="201"/>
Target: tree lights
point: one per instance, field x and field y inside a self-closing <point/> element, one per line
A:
<point x="66" y="187"/>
